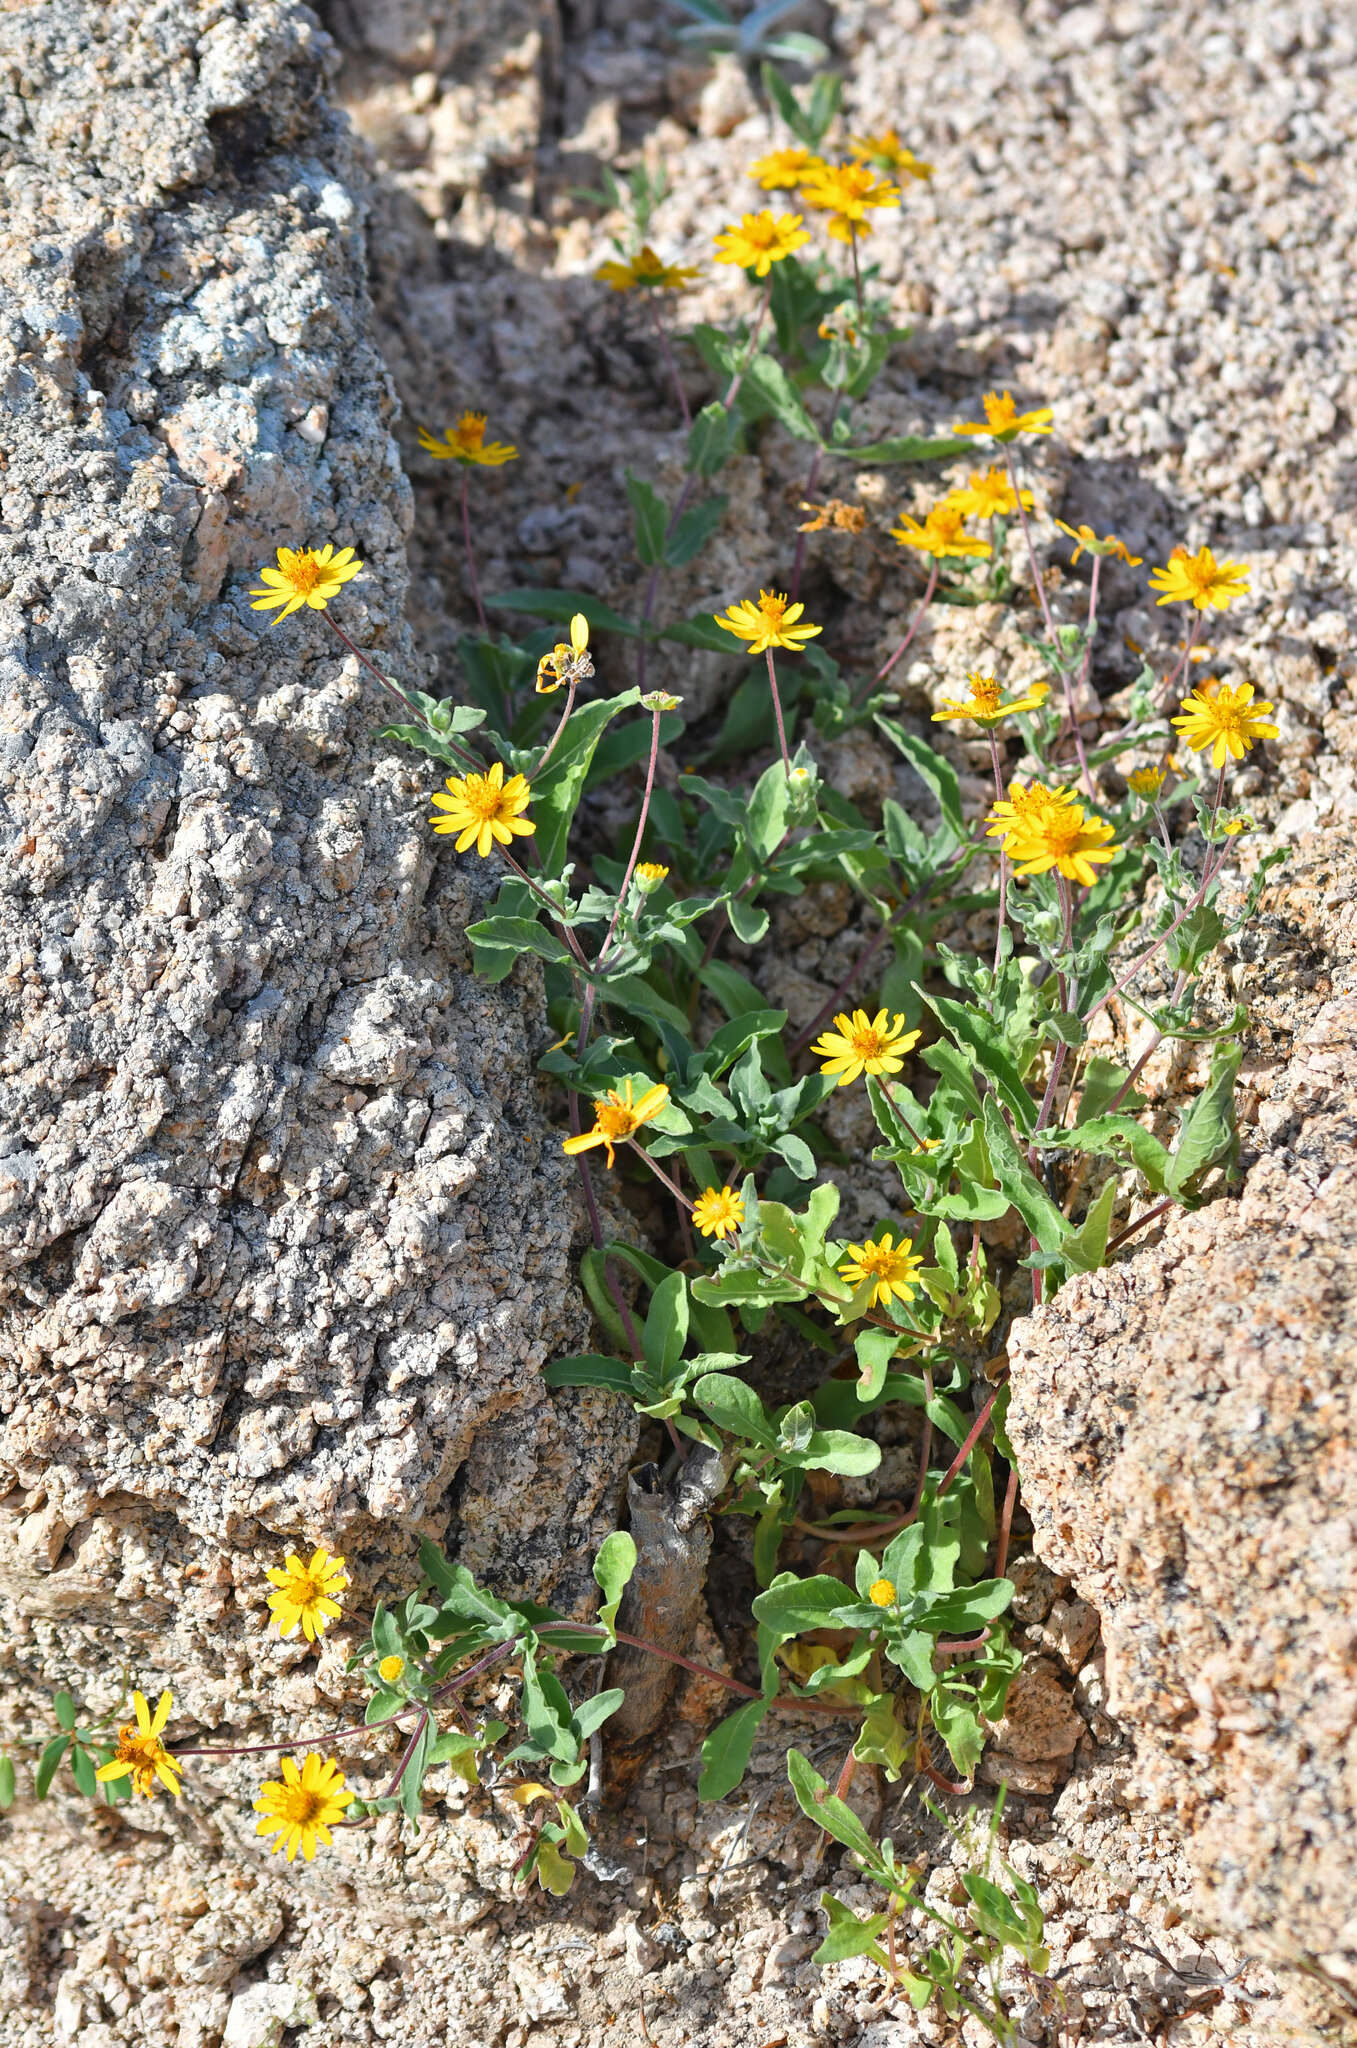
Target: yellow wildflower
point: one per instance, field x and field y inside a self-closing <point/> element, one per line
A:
<point x="648" y="874"/>
<point x="141" y="1755"/>
<point x="1003" y="421"/>
<point x="889" y="153"/>
<point x="466" y="443"/>
<point x="834" y="512"/>
<point x="846" y="192"/>
<point x="989" y="495"/>
<point x="646" y="272"/>
<point x="1090" y="543"/>
<point x="1226" y="719"/>
<point x="1200" y="580"/>
<point x="881" y="1593"/>
<point x="306" y="1593"/>
<point x="719" y="1212"/>
<point x="484" y="810"/>
<point x="1146" y="783"/>
<point x="941" y="534"/>
<point x="310" y="576"/>
<point x="761" y="240"/>
<point x="1023" y="808"/>
<point x="769" y="623"/>
<point x="864" y="1045"/>
<point x="390" y="1669"/>
<point x="987" y="704"/>
<point x="302" y="1808"/>
<point x="893" y="1268"/>
<point x="783" y="169"/>
<point x="1058" y="835"/>
<point x="617" y="1118"/>
<point x="566" y="664"/>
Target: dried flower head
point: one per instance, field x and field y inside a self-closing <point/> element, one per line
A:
<point x="847" y="192"/>
<point x="1200" y="580"/>
<point x="761" y="240"/>
<point x="646" y="272"/>
<point x="987" y="704"/>
<point x="989" y="495"/>
<point x="466" y="443"/>
<point x="302" y="1808"/>
<point x="304" y="576"/>
<point x="564" y="664"/>
<point x="305" y="1597"/>
<point x="719" y="1212"/>
<point x="889" y="153"/>
<point x="783" y="169"/>
<point x="484" y="810"/>
<point x="617" y="1118"/>
<point x="141" y="1755"/>
<point x="1091" y="543"/>
<point x="892" y="1268"/>
<point x="1003" y="421"/>
<point x="835" y="512"/>
<point x="942" y="533"/>
<point x="864" y="1045"/>
<point x="1225" y="719"/>
<point x="769" y="623"/>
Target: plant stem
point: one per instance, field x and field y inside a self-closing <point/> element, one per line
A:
<point x="394" y="689"/>
<point x="569" y="937"/>
<point x="857" y="268"/>
<point x="777" y="712"/>
<point x="973" y="1437"/>
<point x="733" y="393"/>
<point x="561" y="724"/>
<point x="882" y="673"/>
<point x="1031" y="548"/>
<point x="472" y="577"/>
<point x="636" y="842"/>
<point x="1209" y="873"/>
<point x="675" y="1190"/>
<point x="1003" y="855"/>
<point x="1083" y="678"/>
<point x="668" y="355"/>
<point x="1139" y="1224"/>
<point x="653" y="581"/>
<point x="1165" y="689"/>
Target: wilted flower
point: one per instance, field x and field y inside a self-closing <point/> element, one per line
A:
<point x="1090" y="542"/>
<point x="566" y="664"/>
<point x="617" y="1118"/>
<point x="141" y="1755"/>
<point x="834" y="512"/>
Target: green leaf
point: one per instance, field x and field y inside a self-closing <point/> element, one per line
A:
<point x="691" y="534"/>
<point x="557" y="790"/>
<point x="849" y="1936"/>
<point x="838" y="1450"/>
<point x="768" y="807"/>
<point x="790" y="1605"/>
<point x="783" y="98"/>
<point x="666" y="1325"/>
<point x="6" y="1783"/>
<point x="590" y="1369"/>
<point x="939" y="775"/>
<point x="771" y="381"/>
<point x="48" y="1764"/>
<point x="1111" y="1134"/>
<point x="835" y="1816"/>
<point x="83" y="1771"/>
<point x="493" y="937"/>
<point x="599" y="1707"/>
<point x="735" y="993"/>
<point x="1085" y="1249"/>
<point x="650" y="517"/>
<point x="748" y="921"/>
<point x="63" y="1706"/>
<point x="555" y="1873"/>
<point x="613" y="1567"/>
<point x="978" y="1034"/>
<point x="1209" y="1133"/>
<point x="712" y="439"/>
<point x="907" y="448"/>
<point x="1020" y="1184"/>
<point x="546" y="1711"/>
<point x="704" y="632"/>
<point x="561" y="605"/>
<point x="735" y="1407"/>
<point x="956" y="1717"/>
<point x="875" y="1349"/>
<point x="725" y="1753"/>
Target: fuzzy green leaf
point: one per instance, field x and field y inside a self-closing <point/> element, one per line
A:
<point x="725" y="1753"/>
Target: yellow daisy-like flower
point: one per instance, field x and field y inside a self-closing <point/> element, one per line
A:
<point x="864" y="1045"/>
<point x="881" y="1593"/>
<point x="835" y="512"/>
<point x="305" y="1597"/>
<point x="719" y="1212"/>
<point x="783" y="169"/>
<point x="1146" y="783"/>
<point x="987" y="703"/>
<point x="1059" y="835"/>
<point x="769" y="623"/>
<point x="846" y="192"/>
<point x="566" y="664"/>
<point x="1091" y="543"/>
<point x="1024" y="808"/>
<point x="646" y="272"/>
<point x="141" y="1755"/>
<point x="892" y="1267"/>
<point x="302" y="1808"/>
<point x="1003" y="421"/>
<point x="942" y="533"/>
<point x="390" y="1669"/>
<point x="617" y="1118"/>
<point x="1200" y="580"/>
<point x="648" y="874"/>
<point x="484" y="810"/>
<point x="310" y="576"/>
<point x="1226" y="719"/>
<point x="889" y="153"/>
<point x="989" y="495"/>
<point x="466" y="443"/>
<point x="761" y="240"/>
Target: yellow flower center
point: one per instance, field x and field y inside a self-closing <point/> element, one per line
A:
<point x="881" y="1593"/>
<point x="301" y="1807"/>
<point x="1000" y="411"/>
<point x="772" y="607"/>
<point x="985" y="694"/>
<point x="867" y="1042"/>
<point x="483" y="798"/>
<point x="1231" y="719"/>
<point x="301" y="569"/>
<point x="946" y="521"/>
<point x="882" y="1261"/>
<point x="615" y="1120"/>
<point x="471" y="429"/>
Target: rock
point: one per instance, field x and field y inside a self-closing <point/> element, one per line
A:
<point x="258" y="2015"/>
<point x="284" y="1240"/>
<point x="1185" y="1424"/>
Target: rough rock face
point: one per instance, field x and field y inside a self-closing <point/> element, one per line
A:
<point x="283" y="1237"/>
<point x="1186" y="1425"/>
